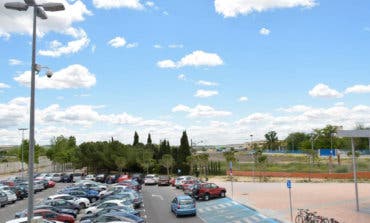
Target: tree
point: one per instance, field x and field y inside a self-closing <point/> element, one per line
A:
<point x="203" y="161"/>
<point x="229" y="156"/>
<point x="146" y="160"/>
<point x="149" y="140"/>
<point x="260" y="161"/>
<point x="271" y="140"/>
<point x="25" y="145"/>
<point x="121" y="163"/>
<point x="183" y="152"/>
<point x="294" y="140"/>
<point x="167" y="162"/>
<point x="136" y="139"/>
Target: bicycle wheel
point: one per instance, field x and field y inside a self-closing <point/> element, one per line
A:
<point x="324" y="220"/>
<point x="299" y="219"/>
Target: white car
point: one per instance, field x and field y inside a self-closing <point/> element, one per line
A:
<point x="56" y="177"/>
<point x="90" y="177"/>
<point x="111" y="203"/>
<point x="80" y="201"/>
<point x="180" y="180"/>
<point x="112" y="189"/>
<point x="92" y="184"/>
<point x="12" y="198"/>
<point x="150" y="179"/>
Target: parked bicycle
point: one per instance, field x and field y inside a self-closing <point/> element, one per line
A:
<point x="305" y="216"/>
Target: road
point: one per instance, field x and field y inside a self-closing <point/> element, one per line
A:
<point x="157" y="205"/>
<point x="7" y="213"/>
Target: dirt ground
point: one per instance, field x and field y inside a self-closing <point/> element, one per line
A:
<point x="333" y="200"/>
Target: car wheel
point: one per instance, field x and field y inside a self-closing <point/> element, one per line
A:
<point x="206" y="197"/>
<point x="93" y="200"/>
<point x="89" y="212"/>
<point x="222" y="194"/>
<point x="13" y="202"/>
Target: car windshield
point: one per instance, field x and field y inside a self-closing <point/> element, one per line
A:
<point x="186" y="201"/>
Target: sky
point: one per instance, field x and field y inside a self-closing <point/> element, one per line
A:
<point x="222" y="70"/>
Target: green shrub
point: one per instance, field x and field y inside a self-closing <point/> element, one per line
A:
<point x="341" y="169"/>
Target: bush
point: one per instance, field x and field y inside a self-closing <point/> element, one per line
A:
<point x="362" y="166"/>
<point x="341" y="169"/>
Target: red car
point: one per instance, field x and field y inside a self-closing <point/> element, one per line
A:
<point x="172" y="181"/>
<point x="185" y="185"/>
<point x="123" y="178"/>
<point x="51" y="184"/>
<point x="54" y="216"/>
<point x="206" y="191"/>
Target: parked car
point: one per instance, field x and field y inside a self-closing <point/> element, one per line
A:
<point x="123" y="177"/>
<point x="82" y="202"/>
<point x="77" y="177"/>
<point x="54" y="216"/>
<point x="150" y="179"/>
<point x="3" y="199"/>
<point x="186" y="184"/>
<point x="36" y="219"/>
<point x="172" y="181"/>
<point x="83" y="194"/>
<point x="20" y="192"/>
<point x="183" y="205"/>
<point x="71" y="212"/>
<point x="12" y="198"/>
<point x="180" y="180"/>
<point x="116" y="217"/>
<point x="139" y="177"/>
<point x="163" y="180"/>
<point x="90" y="177"/>
<point x="206" y="191"/>
<point x="110" y="203"/>
<point x="131" y="184"/>
<point x="56" y="177"/>
<point x="63" y="204"/>
<point x="100" y="178"/>
<point x="39" y="185"/>
<point x="109" y="210"/>
<point x="66" y="178"/>
<point x="51" y="184"/>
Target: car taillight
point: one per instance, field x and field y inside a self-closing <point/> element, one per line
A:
<point x="178" y="206"/>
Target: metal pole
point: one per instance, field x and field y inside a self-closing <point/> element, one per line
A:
<point x="254" y="161"/>
<point x="290" y="204"/>
<point x="355" y="173"/>
<point x="32" y="123"/>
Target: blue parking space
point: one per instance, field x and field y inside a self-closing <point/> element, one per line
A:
<point x="226" y="210"/>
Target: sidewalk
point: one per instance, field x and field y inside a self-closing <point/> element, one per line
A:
<point x="335" y="200"/>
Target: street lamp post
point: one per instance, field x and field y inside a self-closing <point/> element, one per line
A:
<point x="22" y="156"/>
<point x="38" y="11"/>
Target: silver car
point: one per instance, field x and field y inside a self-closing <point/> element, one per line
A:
<point x="12" y="198"/>
<point x="3" y="199"/>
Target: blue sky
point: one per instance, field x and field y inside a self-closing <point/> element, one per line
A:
<point x="220" y="69"/>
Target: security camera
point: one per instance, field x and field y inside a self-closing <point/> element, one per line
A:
<point x="49" y="73"/>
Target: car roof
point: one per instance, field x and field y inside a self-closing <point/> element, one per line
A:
<point x="183" y="197"/>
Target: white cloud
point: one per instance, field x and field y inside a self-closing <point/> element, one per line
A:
<point x="2" y="85"/>
<point x="243" y="99"/>
<point x="60" y="22"/>
<point x="196" y="58"/>
<point x="117" y="42"/>
<point x="175" y="46"/>
<point x="165" y="13"/>
<point x="132" y="45"/>
<point x="201" y="111"/>
<point x="358" y="89"/>
<point x="57" y="49"/>
<point x="13" y="62"/>
<point x="324" y="91"/>
<point x="229" y="8"/>
<point x="205" y="94"/>
<point x="181" y="77"/>
<point x="73" y="76"/>
<point x="295" y="108"/>
<point x="207" y="83"/>
<point x="264" y="31"/>
<point x="150" y="4"/>
<point x="109" y="4"/>
<point x="93" y="48"/>
<point x="157" y="46"/>
<point x="166" y="64"/>
<point x="341" y="103"/>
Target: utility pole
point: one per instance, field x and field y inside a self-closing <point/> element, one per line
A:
<point x="22" y="157"/>
<point x="254" y="161"/>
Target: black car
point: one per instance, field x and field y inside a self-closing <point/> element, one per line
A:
<point x="101" y="178"/>
<point x="63" y="204"/>
<point x="21" y="192"/>
<point x="48" y="207"/>
<point x="66" y="178"/>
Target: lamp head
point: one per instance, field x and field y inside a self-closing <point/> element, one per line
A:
<point x="49" y="73"/>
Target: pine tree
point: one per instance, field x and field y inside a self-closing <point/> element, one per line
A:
<point x="149" y="140"/>
<point x="184" y="151"/>
<point x="136" y="139"/>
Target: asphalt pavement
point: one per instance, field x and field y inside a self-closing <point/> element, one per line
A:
<point x="157" y="205"/>
<point x="7" y="213"/>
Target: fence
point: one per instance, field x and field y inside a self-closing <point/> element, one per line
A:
<point x="16" y="167"/>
